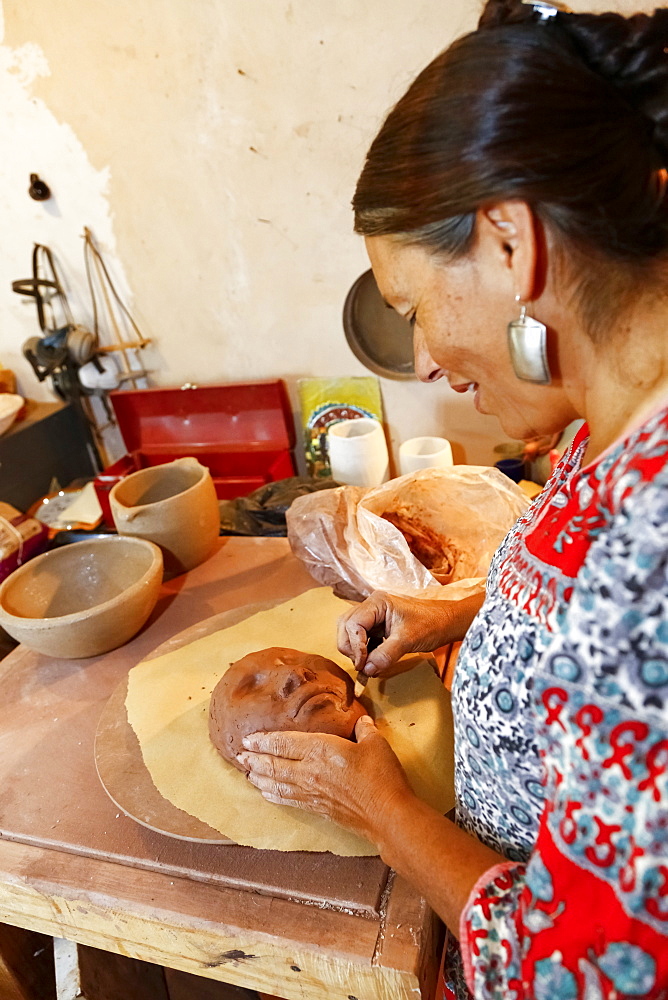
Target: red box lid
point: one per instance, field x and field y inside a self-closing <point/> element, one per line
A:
<point x="235" y="415"/>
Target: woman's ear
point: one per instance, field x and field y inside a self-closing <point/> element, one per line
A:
<point x="512" y="236"/>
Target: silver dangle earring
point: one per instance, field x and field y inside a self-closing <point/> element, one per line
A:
<point x="527" y="343"/>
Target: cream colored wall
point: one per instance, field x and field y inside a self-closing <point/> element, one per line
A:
<point x="213" y="146"/>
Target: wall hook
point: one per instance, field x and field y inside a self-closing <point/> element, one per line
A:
<point x="39" y="190"/>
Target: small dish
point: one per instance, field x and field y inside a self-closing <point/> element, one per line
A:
<point x="10" y="407"/>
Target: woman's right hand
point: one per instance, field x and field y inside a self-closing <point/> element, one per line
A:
<point x="409" y="625"/>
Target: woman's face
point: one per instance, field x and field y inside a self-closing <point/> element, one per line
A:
<point x="460" y="312"/>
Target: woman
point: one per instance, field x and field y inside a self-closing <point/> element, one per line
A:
<point x="515" y="209"/>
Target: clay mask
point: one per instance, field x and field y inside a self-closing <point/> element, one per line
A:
<point x="281" y="689"/>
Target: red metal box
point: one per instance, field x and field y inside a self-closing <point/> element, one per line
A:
<point x="243" y="432"/>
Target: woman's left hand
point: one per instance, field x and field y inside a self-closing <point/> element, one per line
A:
<point x="354" y="784"/>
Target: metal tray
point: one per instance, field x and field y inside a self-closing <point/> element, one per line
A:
<point x="377" y="335"/>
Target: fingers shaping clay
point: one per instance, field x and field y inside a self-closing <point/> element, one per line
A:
<point x="280" y="689"/>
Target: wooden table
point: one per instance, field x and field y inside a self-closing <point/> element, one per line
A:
<point x="297" y="925"/>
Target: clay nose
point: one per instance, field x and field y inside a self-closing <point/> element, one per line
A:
<point x="295" y="679"/>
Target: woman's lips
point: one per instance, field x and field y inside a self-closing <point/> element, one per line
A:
<point x="470" y="387"/>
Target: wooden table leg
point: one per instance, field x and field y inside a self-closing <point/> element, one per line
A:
<point x="90" y="974"/>
<point x="26" y="965"/>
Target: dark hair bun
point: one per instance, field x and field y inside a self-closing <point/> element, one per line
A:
<point x="632" y="54"/>
<point x="498" y="12"/>
<point x="567" y="112"/>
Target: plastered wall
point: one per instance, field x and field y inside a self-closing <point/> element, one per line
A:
<point x="212" y="146"/>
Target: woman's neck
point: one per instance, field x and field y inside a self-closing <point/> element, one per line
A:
<point x="624" y="380"/>
<point x="604" y="432"/>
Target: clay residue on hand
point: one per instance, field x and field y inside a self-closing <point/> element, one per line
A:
<point x="279" y="689"/>
<point x="428" y="546"/>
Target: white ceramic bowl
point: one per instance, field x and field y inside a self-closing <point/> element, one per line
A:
<point x="10" y="404"/>
<point x="84" y="598"/>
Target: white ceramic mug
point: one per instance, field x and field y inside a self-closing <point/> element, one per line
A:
<point x="358" y="452"/>
<point x="424" y="453"/>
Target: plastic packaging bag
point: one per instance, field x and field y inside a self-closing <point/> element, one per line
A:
<point x="454" y="518"/>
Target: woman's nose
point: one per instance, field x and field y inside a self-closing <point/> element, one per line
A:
<point x="426" y="368"/>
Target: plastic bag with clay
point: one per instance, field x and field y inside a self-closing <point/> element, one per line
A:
<point x="429" y="534"/>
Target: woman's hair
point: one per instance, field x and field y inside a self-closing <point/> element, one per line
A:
<point x="568" y="113"/>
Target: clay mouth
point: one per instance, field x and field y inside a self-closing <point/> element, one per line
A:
<point x="328" y="695"/>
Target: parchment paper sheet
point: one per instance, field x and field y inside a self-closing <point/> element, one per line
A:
<point x="167" y="706"/>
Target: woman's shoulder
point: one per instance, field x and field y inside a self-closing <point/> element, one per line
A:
<point x="616" y="625"/>
<point x="634" y="463"/>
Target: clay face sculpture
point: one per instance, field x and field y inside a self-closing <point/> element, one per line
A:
<point x="281" y="689"/>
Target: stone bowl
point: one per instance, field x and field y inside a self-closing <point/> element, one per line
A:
<point x="84" y="598"/>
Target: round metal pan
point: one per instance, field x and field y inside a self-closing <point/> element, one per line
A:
<point x="377" y="335"/>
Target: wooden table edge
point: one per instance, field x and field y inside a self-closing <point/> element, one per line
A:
<point x="172" y="922"/>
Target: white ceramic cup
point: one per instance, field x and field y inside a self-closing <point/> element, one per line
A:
<point x="358" y="452"/>
<point x="424" y="453"/>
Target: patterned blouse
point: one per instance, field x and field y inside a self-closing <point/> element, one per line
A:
<point x="561" y="706"/>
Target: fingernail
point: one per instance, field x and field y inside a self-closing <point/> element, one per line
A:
<point x="242" y="757"/>
<point x="248" y="742"/>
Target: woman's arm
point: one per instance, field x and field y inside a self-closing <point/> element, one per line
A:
<point x="409" y="625"/>
<point x="362" y="786"/>
<point x="439" y="859"/>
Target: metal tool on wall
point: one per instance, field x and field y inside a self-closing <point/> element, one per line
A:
<point x="64" y="345"/>
<point x="78" y="362"/>
<point x="62" y="338"/>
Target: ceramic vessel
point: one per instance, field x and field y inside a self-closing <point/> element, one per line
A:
<point x="357" y="452"/>
<point x="424" y="453"/>
<point x="173" y="505"/>
<point x="84" y="598"/>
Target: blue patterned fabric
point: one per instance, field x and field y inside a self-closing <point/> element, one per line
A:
<point x="498" y="775"/>
<point x="583" y="580"/>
